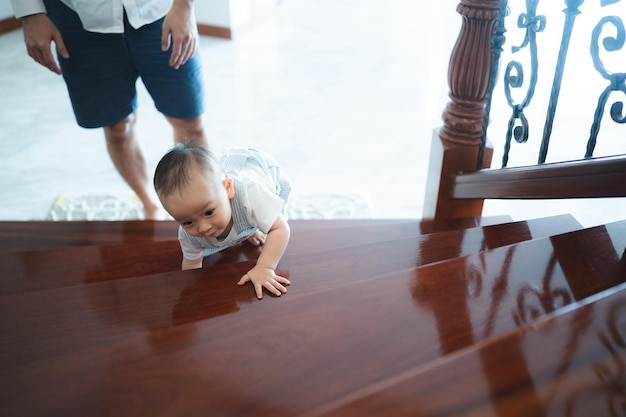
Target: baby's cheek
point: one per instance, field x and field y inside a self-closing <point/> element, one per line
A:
<point x="192" y="231"/>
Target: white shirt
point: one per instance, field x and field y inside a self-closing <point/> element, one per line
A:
<point x="103" y="16"/>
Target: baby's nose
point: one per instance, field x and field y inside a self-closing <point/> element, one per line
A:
<point x="204" y="226"/>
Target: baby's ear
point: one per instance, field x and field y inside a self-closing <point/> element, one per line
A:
<point x="230" y="187"/>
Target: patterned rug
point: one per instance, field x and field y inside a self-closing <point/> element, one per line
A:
<point x="128" y="207"/>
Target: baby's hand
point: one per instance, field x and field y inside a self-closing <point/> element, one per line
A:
<point x="258" y="238"/>
<point x="265" y="277"/>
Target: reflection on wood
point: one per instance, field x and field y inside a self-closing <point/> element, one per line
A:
<point x="35" y="270"/>
<point x="34" y="235"/>
<point x="412" y="325"/>
<point x="485" y="380"/>
<point x="18" y="236"/>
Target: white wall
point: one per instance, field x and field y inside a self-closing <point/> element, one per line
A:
<point x="232" y="14"/>
<point x="6" y="10"/>
<point x="246" y="12"/>
<point x="213" y="12"/>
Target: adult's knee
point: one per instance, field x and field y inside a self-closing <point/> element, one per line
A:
<point x="196" y="135"/>
<point x="121" y="132"/>
<point x="189" y="130"/>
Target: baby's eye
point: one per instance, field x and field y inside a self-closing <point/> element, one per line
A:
<point x="209" y="213"/>
<point x="186" y="224"/>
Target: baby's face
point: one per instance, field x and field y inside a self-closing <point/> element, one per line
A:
<point x="202" y="206"/>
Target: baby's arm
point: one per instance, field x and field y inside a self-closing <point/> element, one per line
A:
<point x="192" y="264"/>
<point x="263" y="275"/>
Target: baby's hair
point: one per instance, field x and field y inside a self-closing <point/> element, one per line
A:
<point x="173" y="170"/>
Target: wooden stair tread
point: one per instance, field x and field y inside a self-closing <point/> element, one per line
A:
<point x="39" y="235"/>
<point x="180" y="342"/>
<point x="34" y="235"/>
<point x="406" y="248"/>
<point x="571" y="363"/>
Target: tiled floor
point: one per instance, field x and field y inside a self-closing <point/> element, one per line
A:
<point x="344" y="93"/>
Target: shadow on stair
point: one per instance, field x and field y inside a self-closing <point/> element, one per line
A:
<point x="384" y="317"/>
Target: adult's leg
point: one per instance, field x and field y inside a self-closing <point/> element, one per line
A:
<point x="101" y="76"/>
<point x="189" y="130"/>
<point x="126" y="152"/>
<point x="177" y="93"/>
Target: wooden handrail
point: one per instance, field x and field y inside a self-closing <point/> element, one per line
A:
<point x="457" y="188"/>
<point x="598" y="177"/>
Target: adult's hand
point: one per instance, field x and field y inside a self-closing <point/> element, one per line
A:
<point x="180" y="30"/>
<point x="39" y="33"/>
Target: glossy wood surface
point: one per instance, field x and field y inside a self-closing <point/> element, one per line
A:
<point x="597" y="177"/>
<point x="356" y="321"/>
<point x="37" y="270"/>
<point x="454" y="148"/>
<point x="34" y="235"/>
<point x="565" y="365"/>
<point x="446" y="160"/>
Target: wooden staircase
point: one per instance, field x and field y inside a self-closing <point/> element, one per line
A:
<point x="477" y="316"/>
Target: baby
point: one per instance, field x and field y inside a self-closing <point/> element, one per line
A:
<point x="221" y="202"/>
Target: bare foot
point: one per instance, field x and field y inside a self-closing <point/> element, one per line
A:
<point x="258" y="238"/>
<point x="154" y="213"/>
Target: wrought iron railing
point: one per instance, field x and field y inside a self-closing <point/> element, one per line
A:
<point x="516" y="73"/>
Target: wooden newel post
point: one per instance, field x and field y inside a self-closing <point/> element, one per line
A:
<point x="455" y="145"/>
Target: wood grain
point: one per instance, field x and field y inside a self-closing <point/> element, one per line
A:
<point x="181" y="343"/>
<point x="45" y="269"/>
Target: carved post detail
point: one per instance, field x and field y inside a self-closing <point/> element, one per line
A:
<point x="454" y="148"/>
<point x="468" y="73"/>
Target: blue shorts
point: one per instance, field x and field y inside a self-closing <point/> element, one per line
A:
<point x="103" y="68"/>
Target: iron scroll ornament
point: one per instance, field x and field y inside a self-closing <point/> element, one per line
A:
<point x="617" y="81"/>
<point x="514" y="76"/>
